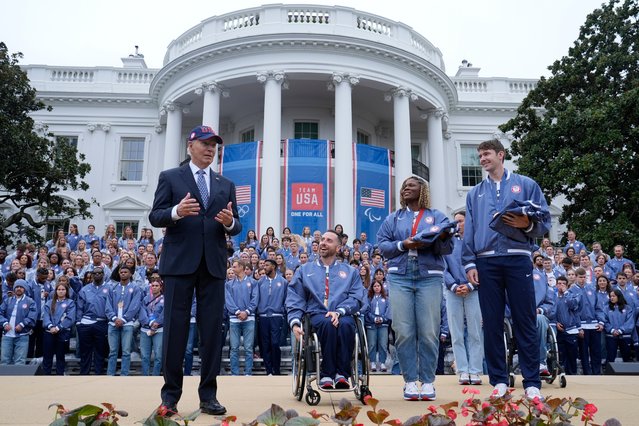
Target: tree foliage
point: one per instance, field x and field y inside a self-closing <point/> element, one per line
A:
<point x="35" y="168"/>
<point x="577" y="132"/>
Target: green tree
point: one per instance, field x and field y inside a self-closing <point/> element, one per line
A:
<point x="34" y="168"/>
<point x="577" y="132"/>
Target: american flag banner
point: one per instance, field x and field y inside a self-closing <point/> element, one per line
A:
<point x="372" y="197"/>
<point x="240" y="163"/>
<point x="243" y="194"/>
<point x="372" y="188"/>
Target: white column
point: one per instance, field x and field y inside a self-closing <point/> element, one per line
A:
<point x="436" y="170"/>
<point x="401" y="116"/>
<point x="344" y="206"/>
<point x="173" y="135"/>
<point x="270" y="202"/>
<point x="211" y="109"/>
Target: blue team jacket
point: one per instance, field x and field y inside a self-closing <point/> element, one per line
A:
<point x="623" y="321"/>
<point x="306" y="291"/>
<point x="131" y="297"/>
<point x="590" y="311"/>
<point x="26" y="314"/>
<point x="398" y="226"/>
<point x="63" y="317"/>
<point x="381" y="305"/>
<point x="91" y="303"/>
<point x="272" y="296"/>
<point x="483" y="202"/>
<point x="567" y="310"/>
<point x="241" y="296"/>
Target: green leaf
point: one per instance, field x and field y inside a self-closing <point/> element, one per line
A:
<point x="301" y="421"/>
<point x="272" y="417"/>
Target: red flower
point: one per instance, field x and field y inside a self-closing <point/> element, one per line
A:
<point x="503" y="422"/>
<point x="452" y="414"/>
<point x="590" y="409"/>
<point x="432" y="409"/>
<point x="485" y="405"/>
<point x="464" y="411"/>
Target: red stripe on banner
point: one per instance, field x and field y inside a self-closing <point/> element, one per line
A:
<point x="243" y="194"/>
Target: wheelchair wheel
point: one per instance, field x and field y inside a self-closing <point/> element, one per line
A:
<point x="361" y="363"/>
<point x="313" y="397"/>
<point x="299" y="366"/>
<point x="363" y="391"/>
<point x="562" y="381"/>
<point x="552" y="356"/>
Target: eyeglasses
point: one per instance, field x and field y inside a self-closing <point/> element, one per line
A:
<point x="98" y="272"/>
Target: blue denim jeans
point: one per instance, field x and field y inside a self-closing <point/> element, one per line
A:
<point x="148" y="344"/>
<point x="14" y="350"/>
<point x="465" y="312"/>
<point x="245" y="329"/>
<point x="190" y="345"/>
<point x="416" y="305"/>
<point x="120" y="336"/>
<point x="542" y="335"/>
<point x="377" y="343"/>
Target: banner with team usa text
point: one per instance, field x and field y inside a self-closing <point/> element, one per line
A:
<point x="240" y="163"/>
<point x="307" y="175"/>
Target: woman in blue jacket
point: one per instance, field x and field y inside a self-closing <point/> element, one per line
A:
<point x="59" y="316"/>
<point x="377" y="320"/>
<point x="618" y="323"/>
<point x="416" y="279"/>
<point x="152" y="321"/>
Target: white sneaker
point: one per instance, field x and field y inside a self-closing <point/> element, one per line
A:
<point x="533" y="392"/>
<point x="500" y="390"/>
<point x="464" y="379"/>
<point x="428" y="392"/>
<point x="373" y="367"/>
<point x="382" y="367"/>
<point x="475" y="379"/>
<point x="411" y="392"/>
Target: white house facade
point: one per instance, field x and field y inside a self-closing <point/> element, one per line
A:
<point x="272" y="73"/>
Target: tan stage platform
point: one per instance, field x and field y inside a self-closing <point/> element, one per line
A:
<point x="24" y="399"/>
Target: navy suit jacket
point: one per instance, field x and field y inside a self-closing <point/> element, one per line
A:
<point x="188" y="239"/>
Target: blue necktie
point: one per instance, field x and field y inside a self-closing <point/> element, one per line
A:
<point x="201" y="185"/>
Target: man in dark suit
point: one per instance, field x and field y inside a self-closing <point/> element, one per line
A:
<point x="197" y="207"/>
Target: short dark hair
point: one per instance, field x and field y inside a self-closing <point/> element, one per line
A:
<point x="123" y="267"/>
<point x="461" y="212"/>
<point x="42" y="271"/>
<point x="491" y="144"/>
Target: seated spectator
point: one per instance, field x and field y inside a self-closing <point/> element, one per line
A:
<point x="330" y="292"/>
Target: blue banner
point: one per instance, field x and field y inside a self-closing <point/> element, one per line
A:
<point x="372" y="188"/>
<point x="307" y="176"/>
<point x="240" y="164"/>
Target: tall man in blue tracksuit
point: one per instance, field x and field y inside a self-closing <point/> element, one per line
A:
<point x="330" y="292"/>
<point x="501" y="265"/>
<point x="271" y="309"/>
<point x="92" y="324"/>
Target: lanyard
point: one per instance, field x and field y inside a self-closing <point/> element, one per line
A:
<point x="326" y="288"/>
<point x="416" y="223"/>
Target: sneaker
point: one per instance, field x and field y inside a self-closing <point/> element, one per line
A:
<point x="373" y="367"/>
<point x="382" y="368"/>
<point x="411" y="392"/>
<point x="543" y="370"/>
<point x="464" y="379"/>
<point x="532" y="393"/>
<point x="341" y="382"/>
<point x="475" y="379"/>
<point x="428" y="392"/>
<point x="326" y="383"/>
<point x="500" y="390"/>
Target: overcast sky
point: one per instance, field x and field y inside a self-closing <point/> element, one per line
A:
<point x="506" y="38"/>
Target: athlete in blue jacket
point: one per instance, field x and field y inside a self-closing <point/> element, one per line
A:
<point x="500" y="265"/>
<point x="271" y="309"/>
<point x="330" y="292"/>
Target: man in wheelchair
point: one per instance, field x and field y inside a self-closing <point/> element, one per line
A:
<point x="330" y="292"/>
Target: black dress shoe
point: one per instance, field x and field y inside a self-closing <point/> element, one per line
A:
<point x="212" y="407"/>
<point x="167" y="409"/>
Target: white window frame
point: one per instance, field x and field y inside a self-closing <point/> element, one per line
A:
<point x="145" y="166"/>
<point x="458" y="147"/>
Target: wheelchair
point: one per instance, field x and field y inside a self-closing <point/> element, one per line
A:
<point x="307" y="358"/>
<point x="552" y="356"/>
